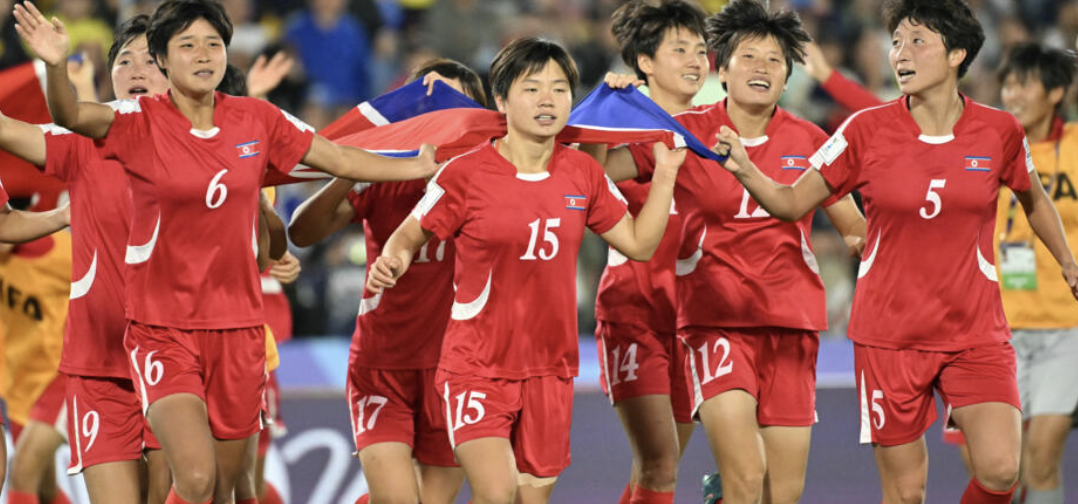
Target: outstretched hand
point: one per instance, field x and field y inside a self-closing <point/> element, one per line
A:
<point x="621" y="81"/>
<point x="266" y="74"/>
<point x="48" y="39"/>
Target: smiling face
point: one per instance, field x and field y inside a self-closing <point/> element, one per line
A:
<point x="196" y="59"/>
<point x="756" y="73"/>
<point x="680" y="63"/>
<point x="1027" y="99"/>
<point x="920" y="59"/>
<point x="537" y="104"/>
<point x="134" y="72"/>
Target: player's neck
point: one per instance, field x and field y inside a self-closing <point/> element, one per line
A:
<point x="751" y="121"/>
<point x="1041" y="130"/>
<point x="671" y="103"/>
<point x="197" y="109"/>
<point x="526" y="155"/>
<point x="937" y="110"/>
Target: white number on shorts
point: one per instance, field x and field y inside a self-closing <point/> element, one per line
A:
<point x="877" y="408"/>
<point x="934" y="198"/>
<point x="473" y="405"/>
<point x="216" y="193"/>
<point x="743" y="213"/>
<point x="364" y="403"/>
<point x="724" y="369"/>
<point x="91" y="423"/>
<point x="548" y="237"/>
<point x="154" y="369"/>
<point x="627" y="365"/>
<point x="424" y="256"/>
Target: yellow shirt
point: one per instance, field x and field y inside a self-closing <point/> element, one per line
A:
<point x="1051" y="305"/>
<point x="35" y="283"/>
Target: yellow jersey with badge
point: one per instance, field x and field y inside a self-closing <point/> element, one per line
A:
<point x="1035" y="296"/>
<point x="35" y="282"/>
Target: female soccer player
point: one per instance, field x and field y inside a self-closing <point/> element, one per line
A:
<point x="642" y="363"/>
<point x="927" y="312"/>
<point x="195" y="160"/>
<point x="516" y="209"/>
<point x="105" y="424"/>
<point x="395" y="410"/>
<point x="750" y="300"/>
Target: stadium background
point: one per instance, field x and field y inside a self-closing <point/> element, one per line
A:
<point x="362" y="48"/>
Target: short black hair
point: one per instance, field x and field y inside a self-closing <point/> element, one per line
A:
<point x="452" y="69"/>
<point x="1055" y="68"/>
<point x="174" y="16"/>
<point x="234" y="82"/>
<point x="526" y="56"/>
<point x="640" y="27"/>
<point x="952" y="19"/>
<point x="130" y="30"/>
<point x="743" y="20"/>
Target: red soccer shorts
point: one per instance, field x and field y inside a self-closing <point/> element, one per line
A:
<point x="49" y="407"/>
<point x="271" y="415"/>
<point x="776" y="365"/>
<point x="399" y="406"/>
<point x="534" y="414"/>
<point x="896" y="386"/>
<point x="104" y="422"/>
<point x="225" y="368"/>
<point x="638" y="361"/>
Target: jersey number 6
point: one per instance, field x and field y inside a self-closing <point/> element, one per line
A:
<point x="216" y="193"/>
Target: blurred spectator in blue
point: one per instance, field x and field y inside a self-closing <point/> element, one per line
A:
<point x="333" y="48"/>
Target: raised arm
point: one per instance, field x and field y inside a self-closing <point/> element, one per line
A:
<point x="785" y="202"/>
<point x="49" y="41"/>
<point x="397" y="255"/>
<point x="849" y="222"/>
<point x="323" y="214"/>
<point x="17" y="226"/>
<point x="24" y="140"/>
<point x="360" y="165"/>
<point x="847" y="93"/>
<point x="1044" y="219"/>
<point x="638" y="238"/>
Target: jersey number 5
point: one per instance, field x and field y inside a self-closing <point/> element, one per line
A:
<point x="933" y="198"/>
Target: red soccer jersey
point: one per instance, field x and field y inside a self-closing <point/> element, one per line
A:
<point x="631" y="291"/>
<point x="191" y="252"/>
<point x="402" y="328"/>
<point x="100" y="222"/>
<point x="738" y="266"/>
<point x="927" y="280"/>
<point x="517" y="239"/>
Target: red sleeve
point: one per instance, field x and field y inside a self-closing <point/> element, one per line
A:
<point x="64" y="150"/>
<point x="643" y="156"/>
<point x="3" y="195"/>
<point x="819" y="139"/>
<point x="359" y="197"/>
<point x="128" y="133"/>
<point x="442" y="209"/>
<point x="1018" y="161"/>
<point x="608" y="207"/>
<point x="837" y="159"/>
<point x="289" y="138"/>
<point x="849" y="94"/>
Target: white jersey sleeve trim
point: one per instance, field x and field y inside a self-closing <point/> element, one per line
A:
<point x="125" y="106"/>
<point x="837" y="144"/>
<point x="1030" y="168"/>
<point x="53" y="129"/>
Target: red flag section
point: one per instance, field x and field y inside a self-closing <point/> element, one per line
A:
<point x="22" y="97"/>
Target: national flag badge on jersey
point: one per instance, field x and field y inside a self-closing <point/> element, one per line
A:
<point x="248" y="149"/>
<point x="978" y="163"/>
<point x="794" y="163"/>
<point x="573" y="202"/>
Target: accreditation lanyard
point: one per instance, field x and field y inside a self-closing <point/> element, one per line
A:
<point x="1018" y="263"/>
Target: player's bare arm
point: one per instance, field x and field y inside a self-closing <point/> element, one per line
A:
<point x="638" y="238"/>
<point x="786" y="202"/>
<point x="360" y="165"/>
<point x="397" y="255"/>
<point x="323" y="214"/>
<point x="17" y="226"/>
<point x="1044" y="219"/>
<point x="50" y="42"/>
<point x="278" y="238"/>
<point x="849" y="222"/>
<point x="24" y="140"/>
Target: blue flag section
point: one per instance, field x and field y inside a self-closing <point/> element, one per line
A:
<point x="630" y="117"/>
<point x="405" y="102"/>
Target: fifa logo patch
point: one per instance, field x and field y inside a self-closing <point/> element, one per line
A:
<point x="978" y="163"/>
<point x="573" y="202"/>
<point x="248" y="149"/>
<point x="794" y="163"/>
